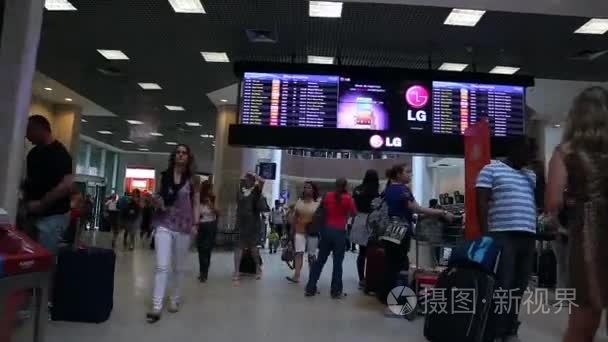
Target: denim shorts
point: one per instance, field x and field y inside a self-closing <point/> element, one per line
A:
<point x="51" y="229"/>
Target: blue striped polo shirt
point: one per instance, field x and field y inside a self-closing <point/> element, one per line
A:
<point x="512" y="206"/>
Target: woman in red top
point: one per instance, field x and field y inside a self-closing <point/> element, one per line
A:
<point x="339" y="207"/>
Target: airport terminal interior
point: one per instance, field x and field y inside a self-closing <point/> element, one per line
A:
<point x="293" y="98"/>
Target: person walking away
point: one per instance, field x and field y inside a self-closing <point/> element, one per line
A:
<point x="207" y="229"/>
<point x="363" y="196"/>
<point x="133" y="218"/>
<point x="277" y="218"/>
<point x="506" y="210"/>
<point x="146" y="219"/>
<point x="396" y="238"/>
<point x="86" y="213"/>
<point x="175" y="221"/>
<point x="301" y="217"/>
<point x="48" y="183"/>
<point x="339" y="207"/>
<point x="579" y="165"/>
<point x="248" y="222"/>
<point x="113" y="214"/>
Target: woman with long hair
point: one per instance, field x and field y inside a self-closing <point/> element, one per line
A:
<point x="207" y="229"/>
<point x="175" y="221"/>
<point x="579" y="165"/>
<point x="363" y="195"/>
<point x="302" y="216"/>
<point x="339" y="207"/>
<point x="249" y="207"/>
<point x="401" y="207"/>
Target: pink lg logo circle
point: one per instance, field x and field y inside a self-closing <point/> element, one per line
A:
<point x="376" y="141"/>
<point x="417" y="96"/>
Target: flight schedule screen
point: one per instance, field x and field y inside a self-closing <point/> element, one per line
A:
<point x="349" y="102"/>
<point x="456" y="106"/>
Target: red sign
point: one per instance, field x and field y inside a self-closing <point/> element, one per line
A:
<point x="476" y="156"/>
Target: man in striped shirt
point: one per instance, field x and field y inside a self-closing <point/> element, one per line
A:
<point x="507" y="211"/>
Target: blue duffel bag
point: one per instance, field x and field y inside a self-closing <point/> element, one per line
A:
<point x="483" y="253"/>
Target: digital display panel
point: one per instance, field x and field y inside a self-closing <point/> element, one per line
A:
<point x="346" y="102"/>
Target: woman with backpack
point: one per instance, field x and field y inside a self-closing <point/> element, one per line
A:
<point x="176" y="219"/>
<point x="579" y="165"/>
<point x="363" y="195"/>
<point x="338" y="207"/>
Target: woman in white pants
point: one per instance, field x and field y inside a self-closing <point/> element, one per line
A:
<point x="175" y="223"/>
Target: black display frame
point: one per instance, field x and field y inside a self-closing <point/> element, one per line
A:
<point x="346" y="139"/>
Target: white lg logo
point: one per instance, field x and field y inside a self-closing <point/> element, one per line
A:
<point x="377" y="141"/>
<point x="419" y="116"/>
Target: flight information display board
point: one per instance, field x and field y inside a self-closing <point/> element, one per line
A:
<point x="458" y="105"/>
<point x="396" y="106"/>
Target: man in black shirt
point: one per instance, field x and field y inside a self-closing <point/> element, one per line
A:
<point x="48" y="183"/>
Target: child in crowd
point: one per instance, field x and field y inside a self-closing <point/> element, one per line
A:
<point x="273" y="241"/>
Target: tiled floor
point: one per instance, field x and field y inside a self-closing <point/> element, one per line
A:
<point x="266" y="310"/>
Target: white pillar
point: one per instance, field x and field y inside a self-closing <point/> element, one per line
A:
<point x="422" y="180"/>
<point x="18" y="49"/>
<point x="87" y="159"/>
<point x="102" y="164"/>
<point x="115" y="173"/>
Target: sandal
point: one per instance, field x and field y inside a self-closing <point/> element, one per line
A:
<point x="292" y="280"/>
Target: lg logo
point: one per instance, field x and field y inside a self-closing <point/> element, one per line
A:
<point x="417" y="97"/>
<point x="376" y="141"/>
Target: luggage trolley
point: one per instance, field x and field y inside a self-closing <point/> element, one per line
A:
<point x="24" y="279"/>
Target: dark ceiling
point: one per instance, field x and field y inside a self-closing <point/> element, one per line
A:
<point x="164" y="47"/>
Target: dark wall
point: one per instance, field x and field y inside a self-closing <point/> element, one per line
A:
<point x="1" y="18"/>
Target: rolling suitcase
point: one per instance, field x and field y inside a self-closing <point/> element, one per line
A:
<point x="84" y="285"/>
<point x="374" y="268"/>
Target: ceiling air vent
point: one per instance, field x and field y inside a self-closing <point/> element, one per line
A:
<point x="261" y="36"/>
<point x="588" y="55"/>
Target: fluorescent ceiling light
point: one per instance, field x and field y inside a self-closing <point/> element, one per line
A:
<point x="48" y="89"/>
<point x="594" y="26"/>
<point x="156" y="134"/>
<point x="320" y="60"/>
<point x="144" y="149"/>
<point x="135" y="122"/>
<point x="193" y="124"/>
<point x="453" y="66"/>
<point x="83" y="120"/>
<point x="557" y="125"/>
<point x="224" y="100"/>
<point x="68" y="99"/>
<point x="325" y="9"/>
<point x="217" y="57"/>
<point x="172" y="143"/>
<point x="105" y="132"/>
<point x="113" y="54"/>
<point x="175" y="108"/>
<point x="505" y="70"/>
<point x="126" y="141"/>
<point x="150" y="86"/>
<point x="59" y="5"/>
<point x="187" y="6"/>
<point x="463" y="17"/>
<point x="205" y="136"/>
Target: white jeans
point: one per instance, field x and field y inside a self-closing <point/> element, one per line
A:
<point x="170" y="247"/>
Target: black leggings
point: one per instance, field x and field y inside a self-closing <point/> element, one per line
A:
<point x="361" y="262"/>
<point x="395" y="260"/>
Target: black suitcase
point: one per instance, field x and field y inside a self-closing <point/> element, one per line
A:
<point x="84" y="285"/>
<point x="451" y="320"/>
<point x="547" y="269"/>
<point x="247" y="264"/>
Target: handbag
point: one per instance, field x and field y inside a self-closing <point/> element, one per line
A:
<point x="317" y="222"/>
<point x="396" y="231"/>
<point x="288" y="255"/>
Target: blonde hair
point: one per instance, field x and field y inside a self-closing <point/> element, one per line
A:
<point x="587" y="123"/>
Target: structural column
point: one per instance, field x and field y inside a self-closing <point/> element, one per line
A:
<point x="18" y="49"/>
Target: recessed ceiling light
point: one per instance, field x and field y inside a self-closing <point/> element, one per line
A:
<point x="144" y="149"/>
<point x="207" y="136"/>
<point x="68" y="99"/>
<point x="156" y="134"/>
<point x="325" y="9"/>
<point x="59" y="5"/>
<point x="113" y="54"/>
<point x="224" y="100"/>
<point x="173" y="143"/>
<point x="105" y="132"/>
<point x="463" y="17"/>
<point x="187" y="6"/>
<point x="505" y="70"/>
<point x="135" y="122"/>
<point x="594" y="26"/>
<point x="174" y="108"/>
<point x="126" y="141"/>
<point x="193" y="124"/>
<point x="217" y="57"/>
<point x="48" y="89"/>
<point x="150" y="86"/>
<point x="83" y="120"/>
<point x="453" y="66"/>
<point x="557" y="125"/>
<point x="320" y="60"/>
